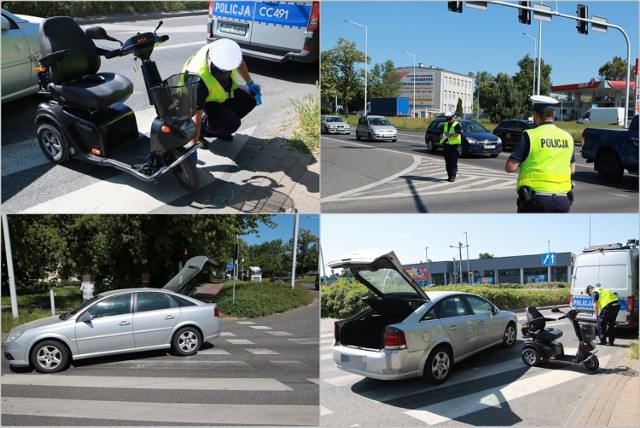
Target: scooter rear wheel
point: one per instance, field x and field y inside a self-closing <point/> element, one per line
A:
<point x="53" y="143"/>
<point x="592" y="364"/>
<point x="530" y="356"/>
<point x="186" y="171"/>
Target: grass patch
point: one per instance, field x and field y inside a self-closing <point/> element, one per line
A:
<point x="25" y="315"/>
<point x="633" y="349"/>
<point x="306" y="128"/>
<point x="91" y="8"/>
<point x="260" y="299"/>
<point x="65" y="298"/>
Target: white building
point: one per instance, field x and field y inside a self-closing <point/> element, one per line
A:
<point x="436" y="90"/>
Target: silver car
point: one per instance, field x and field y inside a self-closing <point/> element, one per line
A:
<point x="272" y="30"/>
<point x="407" y="332"/>
<point x="376" y="128"/>
<point x="19" y="45"/>
<point x="116" y="322"/>
<point x="334" y="125"/>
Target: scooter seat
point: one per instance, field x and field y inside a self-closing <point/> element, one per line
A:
<point x="547" y="334"/>
<point x="95" y="91"/>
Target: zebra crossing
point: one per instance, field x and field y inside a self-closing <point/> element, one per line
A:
<point x="428" y="177"/>
<point x="463" y="397"/>
<point x="237" y="381"/>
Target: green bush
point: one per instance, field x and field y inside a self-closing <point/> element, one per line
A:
<point x="261" y="299"/>
<point x="92" y="8"/>
<point x="343" y="298"/>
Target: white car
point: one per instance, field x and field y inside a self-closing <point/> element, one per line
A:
<point x="20" y="44"/>
<point x="376" y="128"/>
<point x="407" y="332"/>
<point x="334" y="125"/>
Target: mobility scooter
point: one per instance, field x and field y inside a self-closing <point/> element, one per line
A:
<point x="541" y="343"/>
<point x="85" y="118"/>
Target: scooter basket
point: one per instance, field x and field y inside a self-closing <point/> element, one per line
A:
<point x="588" y="331"/>
<point x="175" y="98"/>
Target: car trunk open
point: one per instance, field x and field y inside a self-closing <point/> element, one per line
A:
<point x="366" y="329"/>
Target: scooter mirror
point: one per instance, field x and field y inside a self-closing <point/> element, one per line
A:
<point x="99" y="33"/>
<point x="556" y="310"/>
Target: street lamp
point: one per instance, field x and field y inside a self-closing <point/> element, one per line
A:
<point x="535" y="55"/>
<point x="366" y="60"/>
<point x="459" y="246"/>
<point x="414" y="82"/>
<point x="426" y="250"/>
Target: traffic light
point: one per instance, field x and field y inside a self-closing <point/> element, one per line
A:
<point x="583" y="12"/>
<point x="524" y="15"/>
<point x="454" y="6"/>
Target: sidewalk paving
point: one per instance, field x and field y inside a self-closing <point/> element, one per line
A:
<point x="616" y="399"/>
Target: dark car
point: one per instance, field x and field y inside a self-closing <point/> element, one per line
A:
<point x="510" y="131"/>
<point x="476" y="139"/>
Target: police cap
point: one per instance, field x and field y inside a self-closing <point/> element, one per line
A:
<point x="542" y="101"/>
<point x="225" y="54"/>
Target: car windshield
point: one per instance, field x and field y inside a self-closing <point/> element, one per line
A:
<point x="387" y="281"/>
<point x="380" y="121"/>
<point x="473" y="127"/>
<point x="80" y="308"/>
<point x="333" y="119"/>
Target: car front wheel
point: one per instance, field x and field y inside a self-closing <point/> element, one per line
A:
<point x="439" y="364"/>
<point x="510" y="336"/>
<point x="186" y="341"/>
<point x="50" y="356"/>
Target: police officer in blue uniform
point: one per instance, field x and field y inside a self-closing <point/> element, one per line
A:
<point x="544" y="155"/>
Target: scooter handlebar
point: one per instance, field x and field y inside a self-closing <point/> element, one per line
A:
<point x="112" y="54"/>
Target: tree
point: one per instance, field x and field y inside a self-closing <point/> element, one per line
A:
<point x="307" y="252"/>
<point x="505" y="100"/>
<point x="486" y="256"/>
<point x="338" y="72"/>
<point x="459" y="110"/>
<point x="484" y="87"/>
<point x="384" y="81"/>
<point x="616" y="69"/>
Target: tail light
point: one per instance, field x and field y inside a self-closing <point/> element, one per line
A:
<point x="211" y="9"/>
<point x="583" y="138"/>
<point x="571" y="300"/>
<point x="216" y="312"/>
<point x="314" y="18"/>
<point x="394" y="339"/>
<point x="631" y="304"/>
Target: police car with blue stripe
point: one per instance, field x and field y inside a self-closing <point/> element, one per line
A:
<point x="272" y="30"/>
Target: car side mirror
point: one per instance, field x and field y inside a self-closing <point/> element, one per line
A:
<point x="86" y="317"/>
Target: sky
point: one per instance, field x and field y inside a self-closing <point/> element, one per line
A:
<point x="498" y="234"/>
<point x="481" y="40"/>
<point x="284" y="228"/>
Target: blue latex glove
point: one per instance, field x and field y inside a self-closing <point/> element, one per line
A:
<point x="254" y="89"/>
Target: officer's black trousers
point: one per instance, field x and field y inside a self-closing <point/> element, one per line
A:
<point x="451" y="159"/>
<point x="545" y="204"/>
<point x="606" y="322"/>
<point x="225" y="118"/>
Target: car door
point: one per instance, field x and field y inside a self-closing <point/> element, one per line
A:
<point x="281" y="24"/>
<point x="490" y="328"/>
<point x="459" y="323"/>
<point x="16" y="65"/>
<point x="110" y="328"/>
<point x="155" y="315"/>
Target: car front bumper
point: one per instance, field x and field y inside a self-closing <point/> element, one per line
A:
<point x="383" y="364"/>
<point x="15" y="353"/>
<point x="338" y="131"/>
<point x="381" y="137"/>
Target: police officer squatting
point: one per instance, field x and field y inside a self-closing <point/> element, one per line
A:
<point x="222" y="101"/>
<point x="546" y="161"/>
<point x="606" y="307"/>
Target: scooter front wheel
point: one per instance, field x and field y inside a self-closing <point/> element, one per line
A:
<point x="530" y="356"/>
<point x="186" y="171"/>
<point x="592" y="364"/>
<point x="53" y="143"/>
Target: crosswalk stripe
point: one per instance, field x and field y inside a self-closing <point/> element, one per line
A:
<point x="166" y="383"/>
<point x="260" y="327"/>
<point x="279" y="333"/>
<point x="261" y="351"/>
<point x="240" y="342"/>
<point x="162" y="413"/>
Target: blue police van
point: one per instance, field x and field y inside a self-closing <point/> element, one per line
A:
<point x="272" y="30"/>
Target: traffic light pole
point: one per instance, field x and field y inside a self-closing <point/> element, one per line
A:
<point x="589" y="21"/>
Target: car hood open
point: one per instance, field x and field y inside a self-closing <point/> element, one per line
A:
<point x="181" y="282"/>
<point x="381" y="272"/>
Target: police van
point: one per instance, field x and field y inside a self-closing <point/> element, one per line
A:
<point x="614" y="267"/>
<point x="272" y="30"/>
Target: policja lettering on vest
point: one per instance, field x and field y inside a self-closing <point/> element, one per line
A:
<point x="545" y="159"/>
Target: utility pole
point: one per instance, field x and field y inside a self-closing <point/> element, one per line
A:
<point x="466" y="240"/>
<point x="459" y="246"/>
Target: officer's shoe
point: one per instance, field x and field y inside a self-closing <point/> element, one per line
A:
<point x="610" y="343"/>
<point x="451" y="179"/>
<point x="224" y="137"/>
<point x="602" y="343"/>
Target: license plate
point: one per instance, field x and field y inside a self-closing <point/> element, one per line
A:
<point x="490" y="146"/>
<point x="239" y="30"/>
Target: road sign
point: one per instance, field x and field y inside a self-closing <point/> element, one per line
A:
<point x="549" y="259"/>
<point x="230" y="266"/>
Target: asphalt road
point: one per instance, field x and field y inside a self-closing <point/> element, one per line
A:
<point x="492" y="388"/>
<point x="259" y="372"/>
<point x="30" y="183"/>
<point x="402" y="177"/>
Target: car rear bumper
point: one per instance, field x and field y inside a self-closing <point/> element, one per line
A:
<point x="377" y="364"/>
